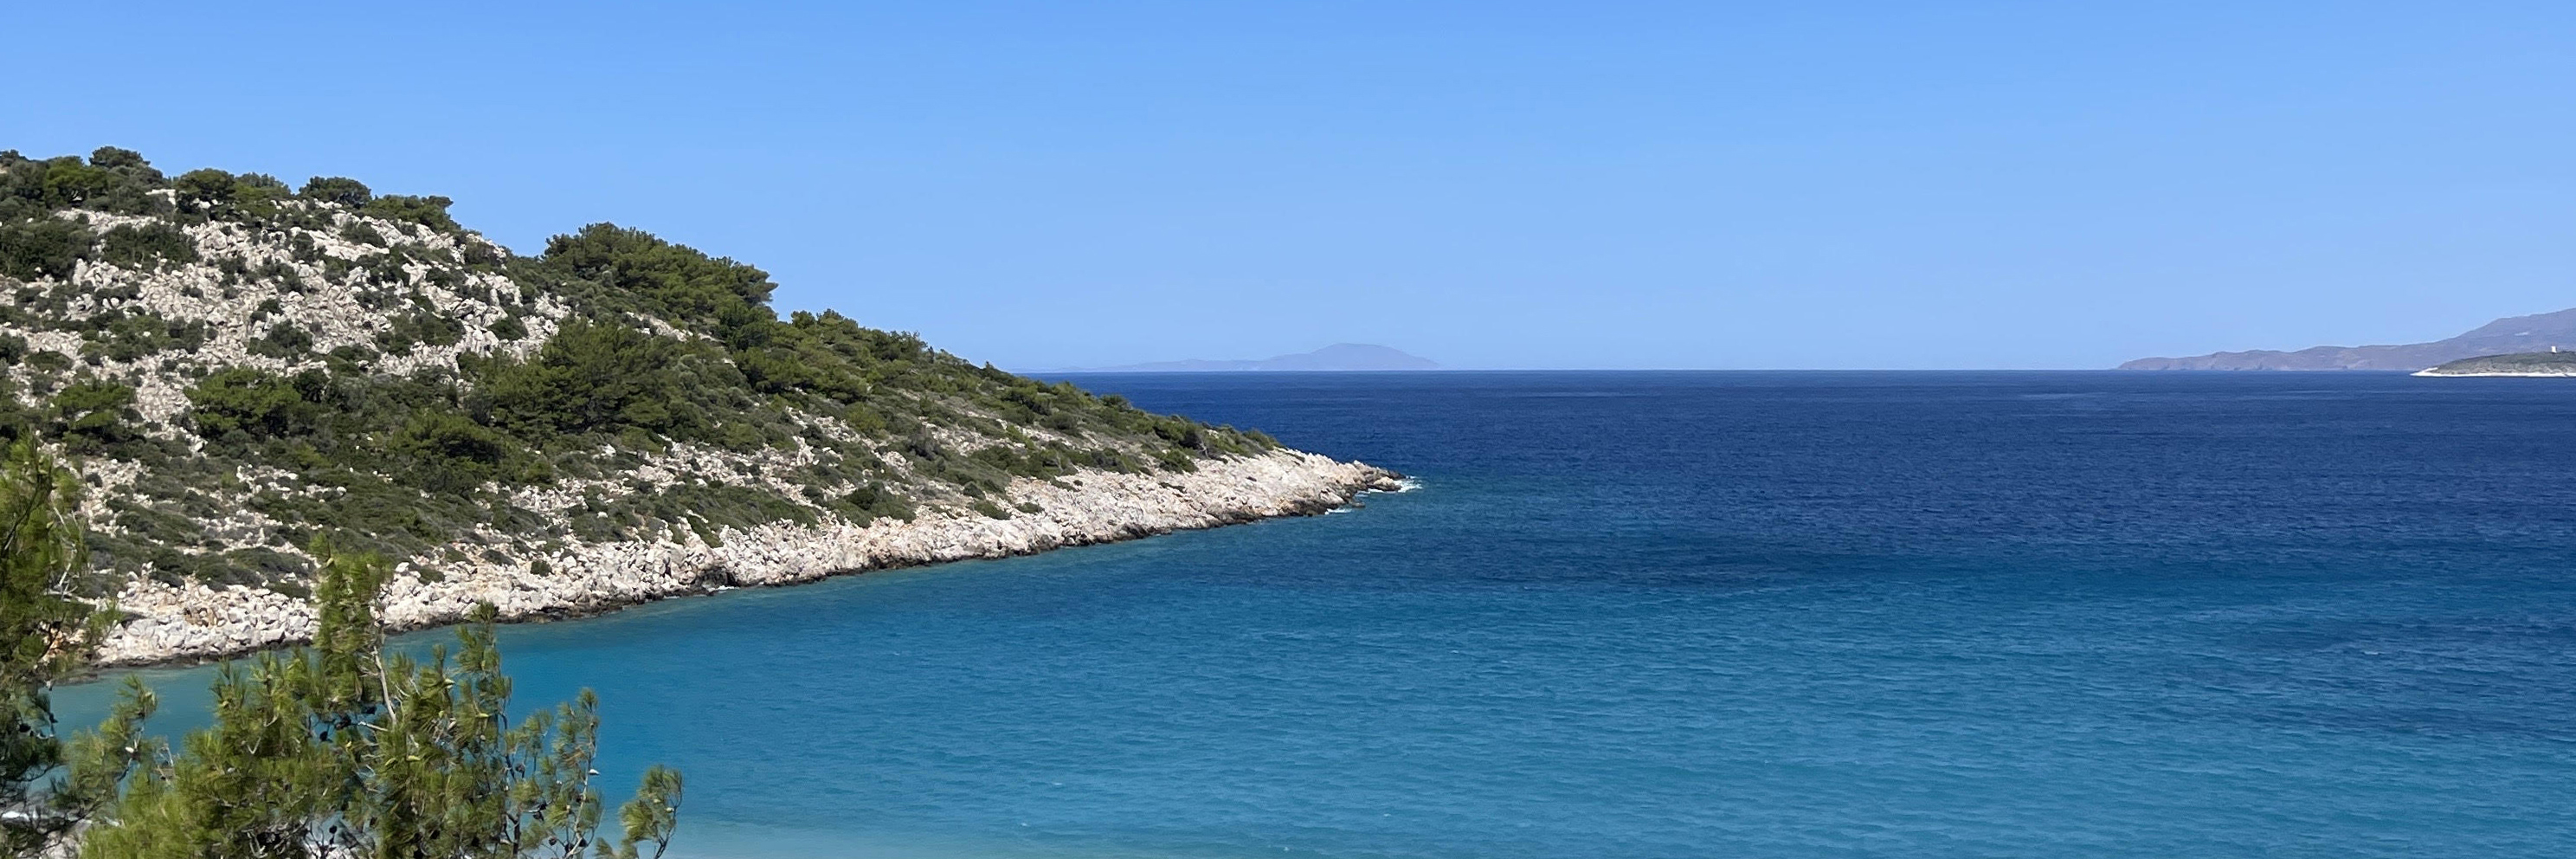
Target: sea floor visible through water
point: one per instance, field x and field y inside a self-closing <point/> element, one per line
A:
<point x="1650" y="615"/>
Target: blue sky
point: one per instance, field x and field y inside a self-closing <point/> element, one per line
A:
<point x="1492" y="184"/>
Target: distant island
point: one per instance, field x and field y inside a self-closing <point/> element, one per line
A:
<point x="2510" y="337"/>
<point x="1336" y="357"/>
<point x="2550" y="363"/>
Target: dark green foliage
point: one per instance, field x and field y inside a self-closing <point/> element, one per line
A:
<point x="276" y="569"/>
<point x="114" y="180"/>
<point x="702" y="508"/>
<point x="429" y="212"/>
<point x="377" y="514"/>
<point x="591" y="379"/>
<point x="283" y="340"/>
<point x="409" y="465"/>
<point x="419" y="326"/>
<point x="257" y="404"/>
<point x="147" y="245"/>
<point x="94" y="417"/>
<point x="217" y="194"/>
<point x="43" y="247"/>
<point x="113" y="158"/>
<point x="43" y="635"/>
<point x="672" y="281"/>
<point x="359" y="232"/>
<point x="349" y="749"/>
<point x="450" y="453"/>
<point x="130" y="337"/>
<point x="875" y="500"/>
<point x="205" y="187"/>
<point x="882" y="382"/>
<point x="336" y="190"/>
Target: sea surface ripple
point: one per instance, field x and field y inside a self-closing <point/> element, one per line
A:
<point x="1648" y="615"/>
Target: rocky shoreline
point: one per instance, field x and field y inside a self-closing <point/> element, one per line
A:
<point x="192" y="622"/>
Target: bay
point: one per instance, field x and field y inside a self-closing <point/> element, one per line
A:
<point x="1684" y="614"/>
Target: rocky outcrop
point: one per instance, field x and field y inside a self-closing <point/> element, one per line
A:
<point x="168" y="623"/>
<point x="241" y="374"/>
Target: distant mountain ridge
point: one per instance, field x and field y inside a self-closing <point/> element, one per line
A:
<point x="2538" y="332"/>
<point x="1339" y="356"/>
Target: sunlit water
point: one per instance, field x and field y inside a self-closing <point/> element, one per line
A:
<point x="1682" y="615"/>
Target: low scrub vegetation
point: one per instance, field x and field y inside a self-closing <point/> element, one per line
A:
<point x="468" y="402"/>
<point x="345" y="748"/>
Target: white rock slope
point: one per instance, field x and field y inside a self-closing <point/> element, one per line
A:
<point x="192" y="622"/>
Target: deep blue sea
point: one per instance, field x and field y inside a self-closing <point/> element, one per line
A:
<point x="1651" y="615"/>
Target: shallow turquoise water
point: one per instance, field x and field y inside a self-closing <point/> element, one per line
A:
<point x="1665" y="615"/>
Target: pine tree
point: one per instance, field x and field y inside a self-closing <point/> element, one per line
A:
<point x="344" y="749"/>
<point x="43" y="634"/>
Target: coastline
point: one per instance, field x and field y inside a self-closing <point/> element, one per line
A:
<point x="177" y="624"/>
<point x="2433" y="375"/>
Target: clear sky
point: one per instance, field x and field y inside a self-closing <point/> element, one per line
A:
<point x="1491" y="184"/>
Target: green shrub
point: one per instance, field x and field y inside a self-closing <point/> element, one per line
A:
<point x="148" y="245"/>
<point x="429" y="212"/>
<point x="43" y="247"/>
<point x="255" y="403"/>
<point x="94" y="416"/>
<point x="449" y="453"/>
<point x="286" y="340"/>
<point x="417" y="327"/>
<point x="129" y="338"/>
<point x="349" y="748"/>
<point x="397" y="464"/>
<point x="874" y="499"/>
<point x="218" y="194"/>
<point x="359" y="233"/>
<point x="336" y="190"/>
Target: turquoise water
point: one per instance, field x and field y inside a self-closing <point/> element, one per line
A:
<point x="1682" y="615"/>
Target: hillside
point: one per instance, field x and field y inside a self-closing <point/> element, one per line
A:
<point x="2513" y="334"/>
<point x="2525" y="364"/>
<point x="239" y="369"/>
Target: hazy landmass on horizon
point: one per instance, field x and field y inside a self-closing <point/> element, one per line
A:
<point x="1336" y="357"/>
<point x="2540" y="332"/>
